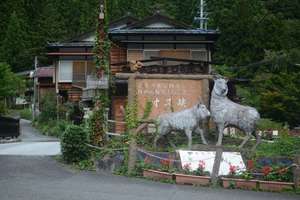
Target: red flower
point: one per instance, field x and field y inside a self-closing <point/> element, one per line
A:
<point x="201" y="165"/>
<point x="165" y="162"/>
<point x="250" y="165"/>
<point x="232" y="169"/>
<point x="266" y="170"/>
<point x="187" y="166"/>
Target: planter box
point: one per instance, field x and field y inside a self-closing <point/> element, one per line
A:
<point x="275" y="186"/>
<point x="239" y="183"/>
<point x="157" y="175"/>
<point x="192" y="180"/>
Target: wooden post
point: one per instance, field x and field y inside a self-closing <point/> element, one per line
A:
<point x="296" y="171"/>
<point x="132" y="133"/>
<point x="216" y="167"/>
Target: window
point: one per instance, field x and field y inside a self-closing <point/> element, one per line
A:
<point x="65" y="71"/>
<point x="199" y="55"/>
<point x="150" y="53"/>
<point x="134" y="55"/>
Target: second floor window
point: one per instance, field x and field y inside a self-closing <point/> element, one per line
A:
<point x="65" y="72"/>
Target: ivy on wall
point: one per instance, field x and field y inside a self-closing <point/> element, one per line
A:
<point x="101" y="100"/>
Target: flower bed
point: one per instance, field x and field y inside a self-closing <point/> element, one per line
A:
<point x="239" y="183"/>
<point x="157" y="175"/>
<point x="275" y="186"/>
<point x="185" y="179"/>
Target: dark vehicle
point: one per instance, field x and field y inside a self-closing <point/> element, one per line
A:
<point x="9" y="127"/>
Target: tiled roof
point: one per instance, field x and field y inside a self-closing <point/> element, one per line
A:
<point x="163" y="31"/>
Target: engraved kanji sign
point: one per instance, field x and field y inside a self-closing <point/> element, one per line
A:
<point x="167" y="95"/>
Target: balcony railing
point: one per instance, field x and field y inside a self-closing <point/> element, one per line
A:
<point x="93" y="82"/>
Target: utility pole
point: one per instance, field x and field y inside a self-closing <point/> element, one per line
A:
<point x="34" y="88"/>
<point x="202" y="15"/>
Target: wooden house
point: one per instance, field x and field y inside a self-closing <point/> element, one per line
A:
<point x="156" y="44"/>
<point x="45" y="82"/>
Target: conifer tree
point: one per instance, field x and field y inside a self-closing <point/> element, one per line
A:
<point x="13" y="48"/>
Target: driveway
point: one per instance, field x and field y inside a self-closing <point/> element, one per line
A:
<point x="32" y="143"/>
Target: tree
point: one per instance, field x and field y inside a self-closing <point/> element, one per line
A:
<point x="247" y="29"/>
<point x="10" y="84"/>
<point x="13" y="48"/>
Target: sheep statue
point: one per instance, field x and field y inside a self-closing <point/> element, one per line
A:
<point x="187" y="121"/>
<point x="226" y="113"/>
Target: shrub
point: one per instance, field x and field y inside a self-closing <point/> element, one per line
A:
<point x="73" y="144"/>
<point x="267" y="124"/>
<point x="58" y="129"/>
<point x="48" y="108"/>
<point x="26" y="114"/>
<point x="285" y="146"/>
<point x="2" y="108"/>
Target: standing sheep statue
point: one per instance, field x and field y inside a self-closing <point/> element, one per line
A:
<point x="226" y="113"/>
<point x="187" y="121"/>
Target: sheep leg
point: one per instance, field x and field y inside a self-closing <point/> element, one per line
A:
<point x="247" y="137"/>
<point x="200" y="131"/>
<point x="155" y="141"/>
<point x="220" y="130"/>
<point x="189" y="135"/>
<point x="258" y="141"/>
<point x="162" y="130"/>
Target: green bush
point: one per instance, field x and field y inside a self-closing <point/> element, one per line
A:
<point x="268" y="124"/>
<point x="48" y="108"/>
<point x="73" y="144"/>
<point x="286" y="146"/>
<point x="26" y="114"/>
<point x="58" y="129"/>
<point x="3" y="109"/>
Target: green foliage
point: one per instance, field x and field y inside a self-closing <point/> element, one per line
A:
<point x="131" y="116"/>
<point x="267" y="124"/>
<point x="260" y="41"/>
<point x="13" y="49"/>
<point x="10" y="84"/>
<point x="52" y="127"/>
<point x="48" y="108"/>
<point x="286" y="146"/>
<point x="73" y="144"/>
<point x="148" y="109"/>
<point x="26" y="114"/>
<point x="3" y="109"/>
<point x="280" y="174"/>
<point x="97" y="122"/>
<point x="85" y="165"/>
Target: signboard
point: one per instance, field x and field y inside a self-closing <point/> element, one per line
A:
<point x="167" y="95"/>
<point x="207" y="158"/>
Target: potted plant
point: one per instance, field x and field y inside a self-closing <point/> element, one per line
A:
<point x="164" y="173"/>
<point x="241" y="180"/>
<point x="197" y="177"/>
<point x="276" y="179"/>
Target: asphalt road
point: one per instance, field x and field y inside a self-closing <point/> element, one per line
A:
<point x="32" y="143"/>
<point x="25" y="176"/>
<point x="43" y="178"/>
